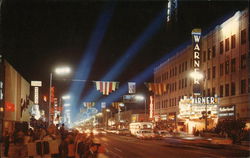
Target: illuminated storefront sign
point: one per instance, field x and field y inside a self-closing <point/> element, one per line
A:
<point x="227" y="111"/>
<point x="151" y="108"/>
<point x="36" y="96"/>
<point x="196" y="38"/>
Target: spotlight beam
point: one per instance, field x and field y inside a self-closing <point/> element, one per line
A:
<point x="121" y="63"/>
<point x="142" y="77"/>
<point x="87" y="60"/>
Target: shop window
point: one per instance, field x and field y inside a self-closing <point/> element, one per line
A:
<point x="204" y="56"/>
<point x="227" y="67"/>
<point x="232" y="89"/>
<point x="227" y="90"/>
<point x="233" y="41"/>
<point x="213" y="91"/>
<point x="214" y="72"/>
<point x="221" y="69"/>
<point x="213" y="51"/>
<point x="208" y="53"/>
<point x="221" y="47"/>
<point x="233" y="65"/>
<point x="208" y="73"/>
<point x="227" y="45"/>
<point x="243" y="36"/>
<point x="221" y="90"/>
<point x="243" y="86"/>
<point x="243" y="61"/>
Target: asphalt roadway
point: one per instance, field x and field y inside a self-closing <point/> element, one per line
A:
<point x="130" y="147"/>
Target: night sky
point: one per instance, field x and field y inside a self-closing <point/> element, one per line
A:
<point x="39" y="35"/>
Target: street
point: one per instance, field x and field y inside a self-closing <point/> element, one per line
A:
<point x="127" y="147"/>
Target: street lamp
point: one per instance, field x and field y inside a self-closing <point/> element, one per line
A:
<point x="66" y="97"/>
<point x="141" y="98"/>
<point x="58" y="71"/>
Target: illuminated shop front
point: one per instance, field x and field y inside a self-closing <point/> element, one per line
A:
<point x="194" y="112"/>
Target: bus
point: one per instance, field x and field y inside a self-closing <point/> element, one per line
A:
<point x="137" y="126"/>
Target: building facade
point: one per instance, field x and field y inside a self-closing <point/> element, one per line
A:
<point x="15" y="102"/>
<point x="225" y="65"/>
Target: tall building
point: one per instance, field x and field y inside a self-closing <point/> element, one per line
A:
<point x="224" y="63"/>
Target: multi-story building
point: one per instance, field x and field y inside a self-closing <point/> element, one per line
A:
<point x="225" y="66"/>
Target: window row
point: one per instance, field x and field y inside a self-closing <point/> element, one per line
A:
<point x="243" y="39"/>
<point x="230" y="89"/>
<point x="166" y="103"/>
<point x="173" y="72"/>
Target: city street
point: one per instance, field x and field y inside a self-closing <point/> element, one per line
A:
<point x="127" y="147"/>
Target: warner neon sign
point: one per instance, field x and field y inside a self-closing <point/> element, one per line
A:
<point x="196" y="37"/>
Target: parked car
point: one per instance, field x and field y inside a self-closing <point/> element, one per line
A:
<point x="145" y="134"/>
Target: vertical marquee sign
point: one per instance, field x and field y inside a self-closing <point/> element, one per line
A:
<point x="196" y="39"/>
<point x="36" y="85"/>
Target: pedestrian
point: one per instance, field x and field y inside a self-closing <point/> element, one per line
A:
<point x="80" y="143"/>
<point x="71" y="147"/>
<point x="63" y="148"/>
<point x="19" y="147"/>
<point x="6" y="143"/>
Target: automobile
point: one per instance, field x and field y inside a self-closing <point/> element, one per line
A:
<point x="145" y="134"/>
<point x="160" y="134"/>
<point x="124" y="132"/>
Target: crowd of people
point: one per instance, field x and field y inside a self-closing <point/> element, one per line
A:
<point x="70" y="144"/>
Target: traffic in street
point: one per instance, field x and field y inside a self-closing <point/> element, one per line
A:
<point x="129" y="146"/>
